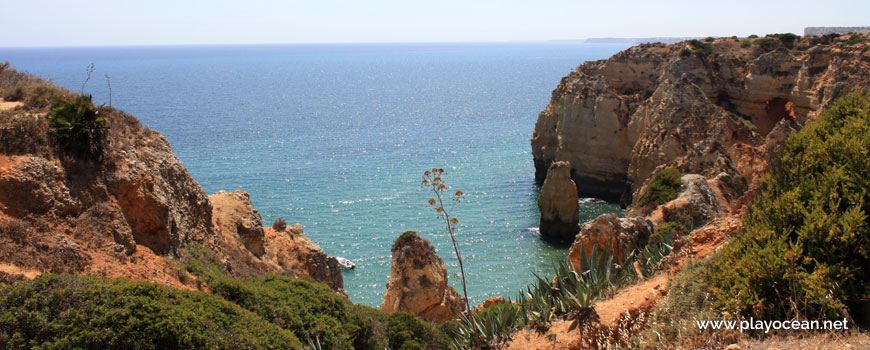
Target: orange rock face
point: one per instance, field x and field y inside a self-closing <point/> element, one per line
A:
<point x="129" y="215"/>
<point x="617" y="120"/>
<point x="559" y="204"/>
<point x="418" y="282"/>
<point x="620" y="235"/>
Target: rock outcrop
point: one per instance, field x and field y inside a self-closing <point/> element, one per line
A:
<point x="696" y="204"/>
<point x="131" y="213"/>
<point x="418" y="282"/>
<point x="559" y="205"/>
<point x="617" y="120"/>
<point x="265" y="250"/>
<point x="114" y="218"/>
<point x="620" y="235"/>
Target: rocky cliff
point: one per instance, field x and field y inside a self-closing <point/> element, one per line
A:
<point x="129" y="214"/>
<point x="699" y="105"/>
<point x="418" y="282"/>
<point x="714" y="113"/>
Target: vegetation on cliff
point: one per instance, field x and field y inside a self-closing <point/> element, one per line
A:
<point x="274" y="312"/>
<point x="662" y="188"/>
<point x="805" y="251"/>
<point x="78" y="312"/>
<point x="311" y="310"/>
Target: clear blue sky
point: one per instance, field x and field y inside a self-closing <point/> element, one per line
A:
<point x="157" y="22"/>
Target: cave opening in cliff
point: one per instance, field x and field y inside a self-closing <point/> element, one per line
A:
<point x="775" y="109"/>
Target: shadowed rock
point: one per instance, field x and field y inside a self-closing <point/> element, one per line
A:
<point x="558" y="203"/>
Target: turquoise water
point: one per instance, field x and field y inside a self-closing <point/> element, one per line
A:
<point x="336" y="138"/>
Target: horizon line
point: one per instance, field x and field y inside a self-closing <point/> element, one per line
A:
<point x="347" y="43"/>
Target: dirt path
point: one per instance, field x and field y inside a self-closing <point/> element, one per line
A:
<point x="618" y="312"/>
<point x="16" y="270"/>
<point x="4" y="105"/>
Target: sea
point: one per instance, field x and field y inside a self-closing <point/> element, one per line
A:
<point x="336" y="137"/>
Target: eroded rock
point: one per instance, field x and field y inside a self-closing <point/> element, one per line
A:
<point x="558" y="203"/>
<point x="620" y="235"/>
<point x="418" y="282"/>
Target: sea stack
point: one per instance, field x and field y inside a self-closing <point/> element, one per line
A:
<point x="418" y="282"/>
<point x="558" y="203"/>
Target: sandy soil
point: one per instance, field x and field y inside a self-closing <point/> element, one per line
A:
<point x="4" y="105"/>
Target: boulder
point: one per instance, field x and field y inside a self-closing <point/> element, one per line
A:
<point x="696" y="204"/>
<point x="620" y="235"/>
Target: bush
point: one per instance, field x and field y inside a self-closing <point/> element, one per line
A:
<point x="662" y="188"/>
<point x="279" y="225"/>
<point x="21" y="132"/>
<point x="709" y="39"/>
<point x="746" y="44"/>
<point x="311" y="310"/>
<point x="700" y="48"/>
<point x="34" y="92"/>
<point x="685" y="52"/>
<point x="787" y="38"/>
<point x="805" y="249"/>
<point x="667" y="231"/>
<point x="409" y="332"/>
<point x="753" y="36"/>
<point x="73" y="312"/>
<point x="766" y="43"/>
<point x="854" y="39"/>
<point x="78" y="127"/>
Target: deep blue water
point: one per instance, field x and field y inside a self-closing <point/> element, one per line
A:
<point x="336" y="138"/>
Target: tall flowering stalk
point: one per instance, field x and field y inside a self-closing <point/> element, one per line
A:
<point x="434" y="180"/>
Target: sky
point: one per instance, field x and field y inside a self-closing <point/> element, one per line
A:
<point x="179" y="22"/>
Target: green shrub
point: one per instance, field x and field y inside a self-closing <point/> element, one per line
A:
<point x="685" y="52"/>
<point x="746" y="44"/>
<point x="79" y="128"/>
<point x="709" y="39"/>
<point x="409" y="332"/>
<point x="766" y="43"/>
<point x="855" y="39"/>
<point x="805" y="249"/>
<point x="667" y="231"/>
<point x="309" y="309"/>
<point x="700" y="48"/>
<point x="74" y="312"/>
<point x="662" y="188"/>
<point x="787" y="38"/>
<point x="753" y="36"/>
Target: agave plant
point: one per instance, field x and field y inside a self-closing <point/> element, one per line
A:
<point x="78" y="127"/>
<point x="569" y="294"/>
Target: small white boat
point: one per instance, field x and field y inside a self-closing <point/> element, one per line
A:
<point x="345" y="263"/>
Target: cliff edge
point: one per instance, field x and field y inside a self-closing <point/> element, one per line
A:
<point x="128" y="213"/>
<point x="696" y="104"/>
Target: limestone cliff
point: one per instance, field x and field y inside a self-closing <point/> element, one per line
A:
<point x="129" y="214"/>
<point x="418" y="282"/>
<point x="698" y="105"/>
<point x="264" y="250"/>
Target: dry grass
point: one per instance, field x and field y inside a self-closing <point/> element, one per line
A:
<point x="29" y="89"/>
